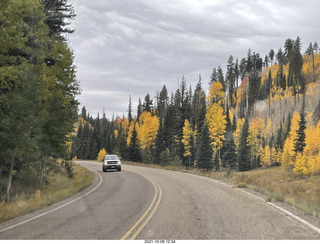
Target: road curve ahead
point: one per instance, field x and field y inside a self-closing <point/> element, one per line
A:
<point x="147" y="203"/>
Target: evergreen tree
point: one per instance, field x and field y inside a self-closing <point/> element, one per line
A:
<point x="204" y="151"/>
<point x="229" y="157"/>
<point x="243" y="150"/>
<point x="130" y="110"/>
<point x="147" y="105"/>
<point x="280" y="139"/>
<point x="58" y="16"/>
<point x="163" y="102"/>
<point x="139" y="109"/>
<point x="230" y="77"/>
<point x="271" y="55"/>
<point x="134" y="153"/>
<point x="228" y="124"/>
<point x="214" y="76"/>
<point x="198" y="106"/>
<point x="299" y="142"/>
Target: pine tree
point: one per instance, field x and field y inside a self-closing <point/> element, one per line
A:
<point x="59" y="14"/>
<point x="163" y="102"/>
<point x="243" y="150"/>
<point x="130" y="109"/>
<point x="299" y="141"/>
<point x="204" y="151"/>
<point x="198" y="106"/>
<point x="229" y="157"/>
<point x="148" y="103"/>
<point x="134" y="153"/>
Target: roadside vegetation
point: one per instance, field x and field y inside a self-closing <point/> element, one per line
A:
<point x="60" y="187"/>
<point x="38" y="88"/>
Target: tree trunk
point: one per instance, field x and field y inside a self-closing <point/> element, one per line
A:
<point x="10" y="178"/>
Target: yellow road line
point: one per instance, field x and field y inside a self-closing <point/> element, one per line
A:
<point x="157" y="189"/>
<point x="151" y="214"/>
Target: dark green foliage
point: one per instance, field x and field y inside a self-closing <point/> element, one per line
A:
<point x="299" y="142"/>
<point x="280" y="138"/>
<point x="198" y="106"/>
<point x="165" y="157"/>
<point x="204" y="151"/>
<point x="37" y="95"/>
<point x="134" y="153"/>
<point x="244" y="150"/>
<point x="58" y="15"/>
<point x="163" y="102"/>
<point x="229" y="157"/>
<point x="148" y="104"/>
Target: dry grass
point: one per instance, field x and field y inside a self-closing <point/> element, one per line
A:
<point x="283" y="185"/>
<point x="277" y="184"/>
<point x="60" y="188"/>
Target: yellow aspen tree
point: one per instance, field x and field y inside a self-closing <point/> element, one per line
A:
<point x="125" y="124"/>
<point x="148" y="129"/>
<point x="266" y="156"/>
<point x="301" y="166"/>
<point x="186" y="138"/>
<point x="312" y="149"/>
<point x="101" y="154"/>
<point x="216" y="93"/>
<point x="217" y="125"/>
<point x="116" y="133"/>
<point x="255" y="132"/>
<point x="237" y="133"/>
<point x="288" y="147"/>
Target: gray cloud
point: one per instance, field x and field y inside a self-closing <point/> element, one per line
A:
<point x="135" y="46"/>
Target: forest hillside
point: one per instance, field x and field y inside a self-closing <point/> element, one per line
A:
<point x="263" y="111"/>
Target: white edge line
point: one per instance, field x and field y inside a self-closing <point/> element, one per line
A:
<point x="296" y="217"/>
<point x="66" y="204"/>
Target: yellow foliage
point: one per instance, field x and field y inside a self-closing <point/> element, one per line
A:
<point x="147" y="129"/>
<point x="217" y="125"/>
<point x="307" y="67"/>
<point x="289" y="143"/>
<point x="125" y="124"/>
<point x="116" y="133"/>
<point x="101" y="154"/>
<point x="237" y="133"/>
<point x="254" y="139"/>
<point x="301" y="165"/>
<point x="266" y="157"/>
<point x="216" y="92"/>
<point x="311" y="151"/>
<point x="131" y="130"/>
<point x="186" y="138"/>
<point x="267" y="130"/>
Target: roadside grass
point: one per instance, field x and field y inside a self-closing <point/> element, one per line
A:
<point x="60" y="187"/>
<point x="277" y="184"/>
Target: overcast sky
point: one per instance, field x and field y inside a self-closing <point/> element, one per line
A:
<point x="134" y="47"/>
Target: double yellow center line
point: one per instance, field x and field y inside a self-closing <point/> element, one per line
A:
<point x="145" y="218"/>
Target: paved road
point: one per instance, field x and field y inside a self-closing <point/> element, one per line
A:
<point x="146" y="203"/>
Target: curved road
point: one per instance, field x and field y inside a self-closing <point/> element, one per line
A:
<point x="147" y="203"/>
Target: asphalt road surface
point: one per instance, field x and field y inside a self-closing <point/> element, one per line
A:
<point x="146" y="203"/>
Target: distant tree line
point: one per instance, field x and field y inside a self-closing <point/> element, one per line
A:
<point x="37" y="92"/>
